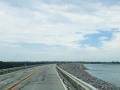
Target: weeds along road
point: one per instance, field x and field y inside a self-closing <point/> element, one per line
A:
<point x="37" y="78"/>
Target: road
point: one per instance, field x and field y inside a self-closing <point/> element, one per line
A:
<point x="37" y="78"/>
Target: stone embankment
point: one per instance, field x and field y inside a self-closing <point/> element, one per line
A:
<point x="78" y="70"/>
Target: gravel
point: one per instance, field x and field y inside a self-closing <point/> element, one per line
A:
<point x="78" y="70"/>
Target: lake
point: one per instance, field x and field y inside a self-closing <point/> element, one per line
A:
<point x="106" y="72"/>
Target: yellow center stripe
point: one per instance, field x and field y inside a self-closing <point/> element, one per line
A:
<point x="14" y="85"/>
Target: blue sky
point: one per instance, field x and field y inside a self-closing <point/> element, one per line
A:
<point x="37" y="30"/>
<point x="95" y="39"/>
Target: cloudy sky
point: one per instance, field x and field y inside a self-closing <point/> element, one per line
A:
<point x="38" y="30"/>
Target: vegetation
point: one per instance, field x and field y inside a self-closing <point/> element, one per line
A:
<point x="4" y="65"/>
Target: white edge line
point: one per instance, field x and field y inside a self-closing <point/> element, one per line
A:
<point x="61" y="80"/>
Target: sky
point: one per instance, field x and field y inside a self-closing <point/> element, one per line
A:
<point x="59" y="30"/>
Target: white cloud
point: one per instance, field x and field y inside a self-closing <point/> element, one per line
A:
<point x="39" y="23"/>
<point x="58" y="24"/>
<point x="112" y="44"/>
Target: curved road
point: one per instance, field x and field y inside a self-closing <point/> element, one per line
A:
<point x="37" y="78"/>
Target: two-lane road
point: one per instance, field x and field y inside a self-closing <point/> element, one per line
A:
<point x="40" y="78"/>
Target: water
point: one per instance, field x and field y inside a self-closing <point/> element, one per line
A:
<point x="106" y="72"/>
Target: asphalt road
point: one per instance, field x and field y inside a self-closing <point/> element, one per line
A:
<point x="37" y="78"/>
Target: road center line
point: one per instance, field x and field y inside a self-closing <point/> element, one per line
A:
<point x="17" y="83"/>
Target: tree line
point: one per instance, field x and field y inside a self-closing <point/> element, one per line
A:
<point x="4" y="65"/>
